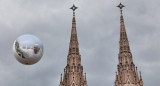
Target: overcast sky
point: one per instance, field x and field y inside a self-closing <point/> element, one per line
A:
<point x="98" y="29"/>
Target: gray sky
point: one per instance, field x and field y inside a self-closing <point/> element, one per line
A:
<point x="98" y="34"/>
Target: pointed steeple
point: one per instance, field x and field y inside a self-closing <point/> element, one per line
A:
<point x="127" y="73"/>
<point x="73" y="48"/>
<point x="124" y="44"/>
<point x="73" y="72"/>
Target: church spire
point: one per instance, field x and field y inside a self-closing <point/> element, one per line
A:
<point x="73" y="72"/>
<point x="127" y="72"/>
<point x="73" y="49"/>
<point x="124" y="44"/>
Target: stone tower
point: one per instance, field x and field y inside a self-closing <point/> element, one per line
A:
<point x="127" y="72"/>
<point x="73" y="72"/>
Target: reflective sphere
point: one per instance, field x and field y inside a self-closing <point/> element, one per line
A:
<point x="28" y="49"/>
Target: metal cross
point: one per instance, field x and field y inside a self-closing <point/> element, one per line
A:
<point x="73" y="7"/>
<point x="120" y="6"/>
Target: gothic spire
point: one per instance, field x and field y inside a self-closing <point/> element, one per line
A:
<point x="124" y="44"/>
<point x="73" y="72"/>
<point x="127" y="73"/>
<point x="73" y="49"/>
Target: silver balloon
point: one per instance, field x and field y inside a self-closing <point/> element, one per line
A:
<point x="28" y="49"/>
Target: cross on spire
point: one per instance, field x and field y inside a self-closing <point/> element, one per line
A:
<point x="120" y="6"/>
<point x="74" y="8"/>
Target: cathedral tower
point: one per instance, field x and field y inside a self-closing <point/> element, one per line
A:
<point x="73" y="72"/>
<point x="127" y="72"/>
